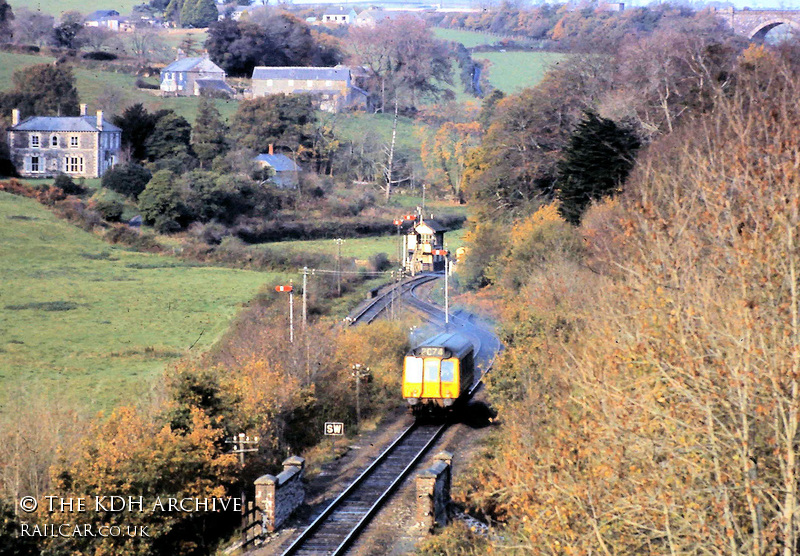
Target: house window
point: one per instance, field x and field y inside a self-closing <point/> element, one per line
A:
<point x="54" y="164"/>
<point x="309" y="83"/>
<point x="269" y="82"/>
<point x="35" y="164"/>
<point x="329" y="83"/>
<point x="291" y="83"/>
<point x="73" y="142"/>
<point x="34" y="141"/>
<point x="54" y="141"/>
<point x="74" y="164"/>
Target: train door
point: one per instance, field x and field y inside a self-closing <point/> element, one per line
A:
<point x="431" y="385"/>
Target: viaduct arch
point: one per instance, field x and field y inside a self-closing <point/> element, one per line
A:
<point x="755" y="24"/>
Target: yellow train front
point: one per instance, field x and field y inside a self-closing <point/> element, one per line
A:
<point x="438" y="371"/>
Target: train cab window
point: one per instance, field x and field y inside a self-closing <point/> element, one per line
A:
<point x="432" y="370"/>
<point x="413" y="370"/>
<point x="448" y="371"/>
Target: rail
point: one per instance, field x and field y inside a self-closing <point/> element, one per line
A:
<point x="343" y="538"/>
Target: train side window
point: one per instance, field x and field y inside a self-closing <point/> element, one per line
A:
<point x="448" y="370"/>
<point x="413" y="370"/>
<point x="432" y="370"/>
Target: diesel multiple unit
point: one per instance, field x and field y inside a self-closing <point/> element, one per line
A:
<point x="438" y="371"/>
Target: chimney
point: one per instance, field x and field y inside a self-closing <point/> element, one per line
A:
<point x="15" y="117"/>
<point x="271" y="149"/>
<point x="83" y="109"/>
<point x="100" y="120"/>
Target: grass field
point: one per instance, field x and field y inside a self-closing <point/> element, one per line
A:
<point x="94" y="324"/>
<point x="513" y="71"/>
<point x="469" y="39"/>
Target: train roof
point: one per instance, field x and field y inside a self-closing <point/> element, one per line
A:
<point x="458" y="344"/>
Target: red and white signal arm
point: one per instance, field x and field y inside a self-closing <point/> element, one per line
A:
<point x="283" y="288"/>
<point x="410" y="217"/>
<point x="442" y="252"/>
<point x="398" y="222"/>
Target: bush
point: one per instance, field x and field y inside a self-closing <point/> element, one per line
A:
<point x="110" y="209"/>
<point x="99" y="55"/>
<point x="142" y="84"/>
<point x="67" y="185"/>
<point x="379" y="262"/>
<point x="127" y="179"/>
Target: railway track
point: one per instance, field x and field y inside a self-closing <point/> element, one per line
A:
<point x="341" y="522"/>
<point x="371" y="311"/>
<point x="339" y="525"/>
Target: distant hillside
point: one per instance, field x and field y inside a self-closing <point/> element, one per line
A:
<point x="56" y="7"/>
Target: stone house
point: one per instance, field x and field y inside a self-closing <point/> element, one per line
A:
<point x="333" y="88"/>
<point x="80" y="146"/>
<point x="286" y="171"/>
<point x="339" y="16"/>
<point x="192" y="77"/>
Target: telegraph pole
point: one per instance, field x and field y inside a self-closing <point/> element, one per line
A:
<point x="339" y="241"/>
<point x="305" y="306"/>
<point x="446" y="292"/>
<point x="291" y="313"/>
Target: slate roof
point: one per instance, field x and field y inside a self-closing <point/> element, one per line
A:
<point x="214" y="85"/>
<point x="434" y="225"/>
<point x="101" y="14"/>
<point x="334" y="74"/>
<point x="280" y="162"/>
<point x="62" y="123"/>
<point x="339" y="10"/>
<point x="193" y="64"/>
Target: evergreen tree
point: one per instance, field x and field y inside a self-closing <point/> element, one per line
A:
<point x="6" y="17"/>
<point x="188" y="13"/>
<point x="205" y="13"/>
<point x="208" y="135"/>
<point x="42" y="90"/>
<point x="170" y="137"/>
<point x="596" y="162"/>
<point x="173" y="11"/>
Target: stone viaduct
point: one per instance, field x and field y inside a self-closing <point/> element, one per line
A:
<point x="755" y="24"/>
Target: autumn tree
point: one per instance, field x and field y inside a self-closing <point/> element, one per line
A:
<point x="131" y="454"/>
<point x="32" y="27"/>
<point x="445" y="155"/>
<point x="402" y="55"/>
<point x="515" y="165"/>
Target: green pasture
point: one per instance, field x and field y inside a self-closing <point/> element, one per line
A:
<point x="513" y="71"/>
<point x="469" y="39"/>
<point x="56" y="7"/>
<point x="94" y="324"/>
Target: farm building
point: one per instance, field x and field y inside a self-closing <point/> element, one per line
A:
<point x="286" y="171"/>
<point x="81" y="146"/>
<point x="339" y="15"/>
<point x="333" y="88"/>
<point x="193" y="77"/>
<point x="424" y="237"/>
